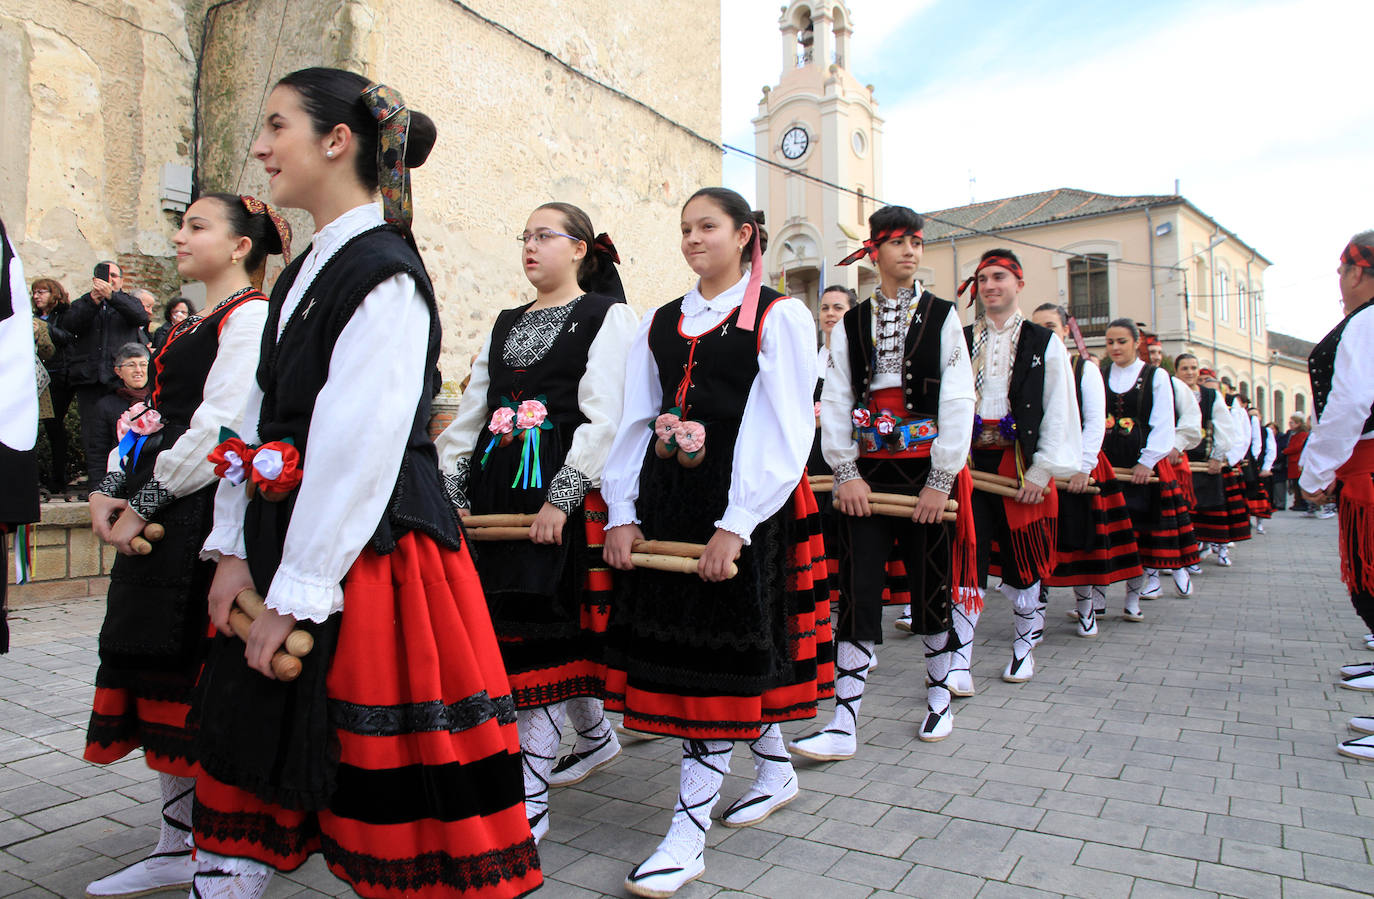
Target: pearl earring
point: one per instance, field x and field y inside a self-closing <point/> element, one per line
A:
<point x="329" y="153"/>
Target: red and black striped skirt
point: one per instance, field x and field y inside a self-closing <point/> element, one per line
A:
<point x="553" y="647"/>
<point x="429" y="797"/>
<point x="1257" y="498"/>
<point x="1105" y="551"/>
<point x="724" y="679"/>
<point x="1160" y="519"/>
<point x="142" y="709"/>
<point x="1237" y="509"/>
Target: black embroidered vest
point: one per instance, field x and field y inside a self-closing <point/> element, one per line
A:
<point x="1321" y="367"/>
<point x="922" y="361"/>
<point x="1137" y="403"/>
<point x="717" y="390"/>
<point x="293" y="369"/>
<point x="1026" y="387"/>
<point x="1207" y="397"/>
<point x="556" y="376"/>
<point x="188" y="355"/>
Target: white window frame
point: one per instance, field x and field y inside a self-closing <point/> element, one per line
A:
<point x="1219" y="299"/>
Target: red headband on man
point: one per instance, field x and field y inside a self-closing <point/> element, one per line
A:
<point x="1206" y="374"/>
<point x="1355" y="254"/>
<point x="870" y="247"/>
<point x="1005" y="262"/>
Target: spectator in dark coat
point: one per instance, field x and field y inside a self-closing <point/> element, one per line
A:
<point x="176" y="312"/>
<point x="50" y="307"/>
<point x="131" y="368"/>
<point x="1279" y="500"/>
<point x="100" y="322"/>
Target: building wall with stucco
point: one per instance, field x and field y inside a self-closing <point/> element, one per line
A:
<point x="98" y="96"/>
<point x="516" y="128"/>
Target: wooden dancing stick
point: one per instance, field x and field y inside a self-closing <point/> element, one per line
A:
<point x="498" y="521"/>
<point x="997" y="489"/>
<point x="284" y="665"/>
<point x="988" y="477"/>
<point x="903" y="511"/>
<point x="681" y="564"/>
<point x="669" y="548"/>
<point x="1202" y="467"/>
<point x="1124" y="474"/>
<point x="152" y="533"/>
<point x="901" y="499"/>
<point x="298" y="643"/>
<point x="489" y="534"/>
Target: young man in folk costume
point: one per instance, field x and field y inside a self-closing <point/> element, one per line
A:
<point x="1338" y="458"/>
<point x="1210" y="518"/>
<point x="1095" y="544"/>
<point x="896" y="414"/>
<point x="1025" y="428"/>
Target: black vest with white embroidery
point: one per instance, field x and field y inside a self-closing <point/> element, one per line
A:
<point x="1321" y="366"/>
<point x="1136" y="403"/>
<point x="922" y="362"/>
<point x="1207" y="397"/>
<point x="1026" y="386"/>
<point x="293" y="370"/>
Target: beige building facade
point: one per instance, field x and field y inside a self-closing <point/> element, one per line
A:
<point x="1157" y="260"/>
<point x="582" y="106"/>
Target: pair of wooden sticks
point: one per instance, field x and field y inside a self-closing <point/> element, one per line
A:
<point x="659" y="555"/>
<point x="894" y="505"/>
<point x="982" y="480"/>
<point x="152" y="533"/>
<point x="286" y="662"/>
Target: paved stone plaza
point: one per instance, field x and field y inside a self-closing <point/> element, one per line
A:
<point x="1193" y="754"/>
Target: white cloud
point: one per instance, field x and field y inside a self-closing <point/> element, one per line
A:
<point x="1256" y="108"/>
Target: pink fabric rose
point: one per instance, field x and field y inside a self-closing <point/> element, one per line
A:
<point x="531" y="414"/>
<point x="139" y="419"/>
<point x="691" y="436"/>
<point x="665" y="426"/>
<point x="502" y="420"/>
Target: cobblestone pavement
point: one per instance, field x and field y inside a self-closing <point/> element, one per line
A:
<point x="1193" y="754"/>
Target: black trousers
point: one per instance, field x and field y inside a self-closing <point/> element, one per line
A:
<point x="866" y="545"/>
<point x="94" y="442"/>
<point x="990" y="522"/>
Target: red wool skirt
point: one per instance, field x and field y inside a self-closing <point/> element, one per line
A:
<point x="429" y="798"/>
<point x="1238" y="510"/>
<point x="146" y="709"/>
<point x="1110" y="554"/>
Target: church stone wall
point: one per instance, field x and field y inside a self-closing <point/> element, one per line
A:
<point x="94" y="98"/>
<point x="516" y="129"/>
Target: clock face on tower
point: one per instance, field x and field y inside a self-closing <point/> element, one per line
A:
<point x="794" y="142"/>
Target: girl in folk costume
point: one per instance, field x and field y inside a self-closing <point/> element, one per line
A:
<point x="1209" y="514"/>
<point x="1139" y="436"/>
<point x="1095" y="543"/>
<point x="395" y="752"/>
<point x="153" y="639"/>
<point x="1338" y="457"/>
<point x="19" y="410"/>
<point x="531" y="437"/>
<point x="1025" y="428"/>
<point x="1187" y="434"/>
<point x="711" y="449"/>
<point x="1237" y="459"/>
<point x="895" y="418"/>
<point x="1262" y="452"/>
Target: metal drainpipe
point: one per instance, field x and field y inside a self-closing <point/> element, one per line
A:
<point x="1154" y="310"/>
<point x="1249" y="293"/>
<point x="954" y="248"/>
<point x="1211" y="290"/>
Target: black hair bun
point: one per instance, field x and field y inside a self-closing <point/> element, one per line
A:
<point x="419" y="139"/>
<point x="763" y="232"/>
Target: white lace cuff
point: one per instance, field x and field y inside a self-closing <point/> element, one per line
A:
<point x="846" y="471"/>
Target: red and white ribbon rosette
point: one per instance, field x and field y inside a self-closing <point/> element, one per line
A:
<point x="275" y="470"/>
<point x="886" y="423"/>
<point x="862" y="418"/>
<point x="231" y="460"/>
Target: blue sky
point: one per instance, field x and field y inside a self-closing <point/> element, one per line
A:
<point x="1259" y="109"/>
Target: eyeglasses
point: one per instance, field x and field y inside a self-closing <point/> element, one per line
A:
<point x="542" y="236"/>
<point x="135" y="365"/>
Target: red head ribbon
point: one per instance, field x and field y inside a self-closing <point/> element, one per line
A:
<point x="1077" y="334"/>
<point x="1143" y="351"/>
<point x="1206" y="374"/>
<point x="258" y="207"/>
<point x="1355" y="254"/>
<point x="870" y="246"/>
<point x="1005" y="262"/>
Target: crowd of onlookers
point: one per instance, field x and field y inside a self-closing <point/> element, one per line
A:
<point x="95" y="350"/>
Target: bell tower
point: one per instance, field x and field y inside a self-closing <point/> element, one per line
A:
<point x="818" y="121"/>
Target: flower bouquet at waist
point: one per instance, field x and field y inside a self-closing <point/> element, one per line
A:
<point x="675" y="437"/>
<point x="1006" y="428"/>
<point x="135" y="426"/>
<point x="1124" y="425"/>
<point x="272" y="469"/>
<point x="522" y="420"/>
